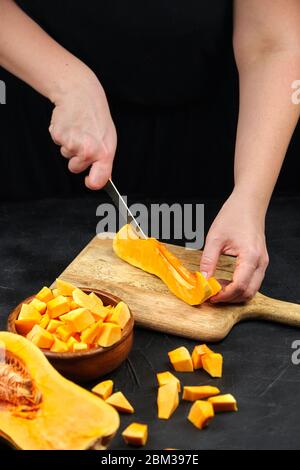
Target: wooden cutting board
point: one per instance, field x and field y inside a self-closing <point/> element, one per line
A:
<point x="154" y="306"/>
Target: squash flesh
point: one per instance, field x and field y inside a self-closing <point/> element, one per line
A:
<point x="154" y="258"/>
<point x="68" y="416"/>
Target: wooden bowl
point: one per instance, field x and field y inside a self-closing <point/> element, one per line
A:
<point x="85" y="366"/>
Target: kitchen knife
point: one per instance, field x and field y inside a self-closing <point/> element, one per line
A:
<point x="124" y="210"/>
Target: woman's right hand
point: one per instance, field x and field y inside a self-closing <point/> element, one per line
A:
<point x="83" y="127"/>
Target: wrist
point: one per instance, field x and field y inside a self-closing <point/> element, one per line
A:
<point x="73" y="75"/>
<point x="250" y="202"/>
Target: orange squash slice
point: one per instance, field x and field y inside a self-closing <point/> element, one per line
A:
<point x="153" y="257"/>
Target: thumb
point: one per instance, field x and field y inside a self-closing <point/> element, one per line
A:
<point x="210" y="257"/>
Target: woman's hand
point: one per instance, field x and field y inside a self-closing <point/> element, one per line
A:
<point x="238" y="230"/>
<point x="82" y="126"/>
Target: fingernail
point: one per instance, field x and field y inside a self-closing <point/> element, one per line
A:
<point x="204" y="274"/>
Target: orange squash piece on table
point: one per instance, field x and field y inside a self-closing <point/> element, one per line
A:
<point x="104" y="389"/>
<point x="164" y="378"/>
<point x="198" y="353"/>
<point x="109" y="335"/>
<point x="201" y="413"/>
<point x="44" y="295"/>
<point x="40" y="337"/>
<point x="58" y="306"/>
<point x="136" y="434"/>
<point x="167" y="400"/>
<point x="223" y="403"/>
<point x="181" y="360"/>
<point x="213" y="364"/>
<point x="153" y="257"/>
<point x="119" y="315"/>
<point x="120" y="403"/>
<point x="200" y="392"/>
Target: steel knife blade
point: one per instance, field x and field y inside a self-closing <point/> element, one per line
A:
<point x="123" y="208"/>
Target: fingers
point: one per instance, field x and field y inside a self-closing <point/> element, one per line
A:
<point x="210" y="256"/>
<point x="99" y="175"/>
<point x="83" y="151"/>
<point x="247" y="280"/>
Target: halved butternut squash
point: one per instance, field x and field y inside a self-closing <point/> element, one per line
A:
<point x="41" y="410"/>
<point x="153" y="257"/>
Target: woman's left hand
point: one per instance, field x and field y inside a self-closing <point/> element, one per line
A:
<point x="238" y="230"/>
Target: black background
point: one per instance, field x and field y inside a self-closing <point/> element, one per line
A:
<point x="169" y="73"/>
<point x="176" y="124"/>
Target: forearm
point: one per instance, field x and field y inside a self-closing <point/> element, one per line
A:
<point x="32" y="55"/>
<point x="267" y="119"/>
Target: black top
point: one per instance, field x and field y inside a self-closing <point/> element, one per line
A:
<point x="150" y="51"/>
<point x="167" y="67"/>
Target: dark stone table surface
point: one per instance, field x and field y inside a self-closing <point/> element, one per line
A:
<point x="40" y="238"/>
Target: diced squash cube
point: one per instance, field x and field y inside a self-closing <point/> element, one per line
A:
<point x="55" y="293"/>
<point x="59" y="346"/>
<point x="136" y="434"/>
<point x="164" y="378"/>
<point x="120" y="315"/>
<point x="65" y="331"/>
<point x="167" y="400"/>
<point x="53" y="325"/>
<point x="44" y="321"/>
<point x="120" y="403"/>
<point x="71" y="342"/>
<point x="198" y="353"/>
<point x="77" y="347"/>
<point x="224" y="403"/>
<point x="40" y="337"/>
<point x="44" y="295"/>
<point x="104" y="389"/>
<point x="74" y="305"/>
<point x="64" y="288"/>
<point x="24" y="326"/>
<point x="92" y="303"/>
<point x="213" y="364"/>
<point x="181" y="360"/>
<point x="109" y="335"/>
<point x="201" y="413"/>
<point x="58" y="306"/>
<point x="199" y="392"/>
<point x="39" y="305"/>
<point x="91" y="333"/>
<point x="28" y="312"/>
<point x="96" y="299"/>
<point x="80" y="319"/>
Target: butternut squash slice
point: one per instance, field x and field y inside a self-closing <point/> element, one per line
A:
<point x="153" y="257"/>
<point x="41" y="410"/>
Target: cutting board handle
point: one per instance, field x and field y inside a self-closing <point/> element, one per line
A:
<point x="266" y="308"/>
